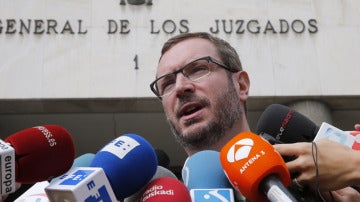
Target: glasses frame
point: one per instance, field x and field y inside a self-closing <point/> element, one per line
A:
<point x="209" y="59"/>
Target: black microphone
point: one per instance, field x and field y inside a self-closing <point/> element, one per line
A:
<point x="281" y="124"/>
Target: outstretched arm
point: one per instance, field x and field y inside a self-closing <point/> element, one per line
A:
<point x="338" y="165"/>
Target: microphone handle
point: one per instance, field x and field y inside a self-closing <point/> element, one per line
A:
<point x="275" y="191"/>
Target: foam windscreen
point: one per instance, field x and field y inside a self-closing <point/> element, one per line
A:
<point x="166" y="189"/>
<point x="286" y="125"/>
<point x="41" y="153"/>
<point x="129" y="162"/>
<point x="203" y="170"/>
<point x="247" y="160"/>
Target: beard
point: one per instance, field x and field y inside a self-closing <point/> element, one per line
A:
<point x="227" y="112"/>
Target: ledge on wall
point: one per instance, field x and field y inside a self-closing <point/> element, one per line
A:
<point x="150" y="105"/>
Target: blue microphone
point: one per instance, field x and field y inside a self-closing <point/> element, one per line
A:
<point x="205" y="178"/>
<point x="203" y="170"/>
<point x="129" y="163"/>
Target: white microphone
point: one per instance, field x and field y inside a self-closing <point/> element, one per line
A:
<point x="7" y="162"/>
<point x="81" y="184"/>
<point x="35" y="193"/>
<point x="118" y="170"/>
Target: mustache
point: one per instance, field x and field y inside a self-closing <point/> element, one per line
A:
<point x="204" y="101"/>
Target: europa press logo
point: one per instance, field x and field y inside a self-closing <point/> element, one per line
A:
<point x="240" y="150"/>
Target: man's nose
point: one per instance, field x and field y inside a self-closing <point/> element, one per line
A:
<point x="183" y="84"/>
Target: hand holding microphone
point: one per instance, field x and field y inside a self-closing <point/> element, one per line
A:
<point x="283" y="125"/>
<point x="338" y="164"/>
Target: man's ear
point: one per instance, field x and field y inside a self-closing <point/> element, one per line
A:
<point x="244" y="84"/>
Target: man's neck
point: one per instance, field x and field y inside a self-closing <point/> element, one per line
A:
<point x="238" y="128"/>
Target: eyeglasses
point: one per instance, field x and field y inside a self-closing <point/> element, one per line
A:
<point x="194" y="71"/>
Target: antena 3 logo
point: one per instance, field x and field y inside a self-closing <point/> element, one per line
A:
<point x="240" y="151"/>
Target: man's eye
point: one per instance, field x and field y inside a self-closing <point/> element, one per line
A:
<point x="167" y="84"/>
<point x="197" y="70"/>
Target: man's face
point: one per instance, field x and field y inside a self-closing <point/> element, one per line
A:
<point x="199" y="112"/>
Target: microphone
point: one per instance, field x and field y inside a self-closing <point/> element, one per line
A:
<point x="37" y="191"/>
<point x="160" y="172"/>
<point x="118" y="170"/>
<point x="39" y="153"/>
<point x="81" y="161"/>
<point x="255" y="168"/>
<point x="279" y="123"/>
<point x="165" y="189"/>
<point x="81" y="184"/>
<point x="204" y="176"/>
<point x="163" y="158"/>
<point x="129" y="162"/>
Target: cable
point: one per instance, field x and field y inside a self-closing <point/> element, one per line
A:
<point x="314" y="152"/>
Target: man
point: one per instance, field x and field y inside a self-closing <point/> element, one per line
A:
<point x="203" y="90"/>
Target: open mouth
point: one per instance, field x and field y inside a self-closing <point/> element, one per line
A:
<point x="189" y="109"/>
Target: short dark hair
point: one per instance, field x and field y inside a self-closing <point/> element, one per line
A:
<point x="227" y="53"/>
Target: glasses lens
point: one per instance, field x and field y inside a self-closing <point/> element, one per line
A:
<point x="197" y="69"/>
<point x="193" y="71"/>
<point x="165" y="84"/>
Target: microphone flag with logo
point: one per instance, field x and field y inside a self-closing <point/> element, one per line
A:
<point x="42" y="152"/>
<point x="248" y="160"/>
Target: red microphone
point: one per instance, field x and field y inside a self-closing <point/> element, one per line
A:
<point x="165" y="189"/>
<point x="41" y="152"/>
<point x="255" y="168"/>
